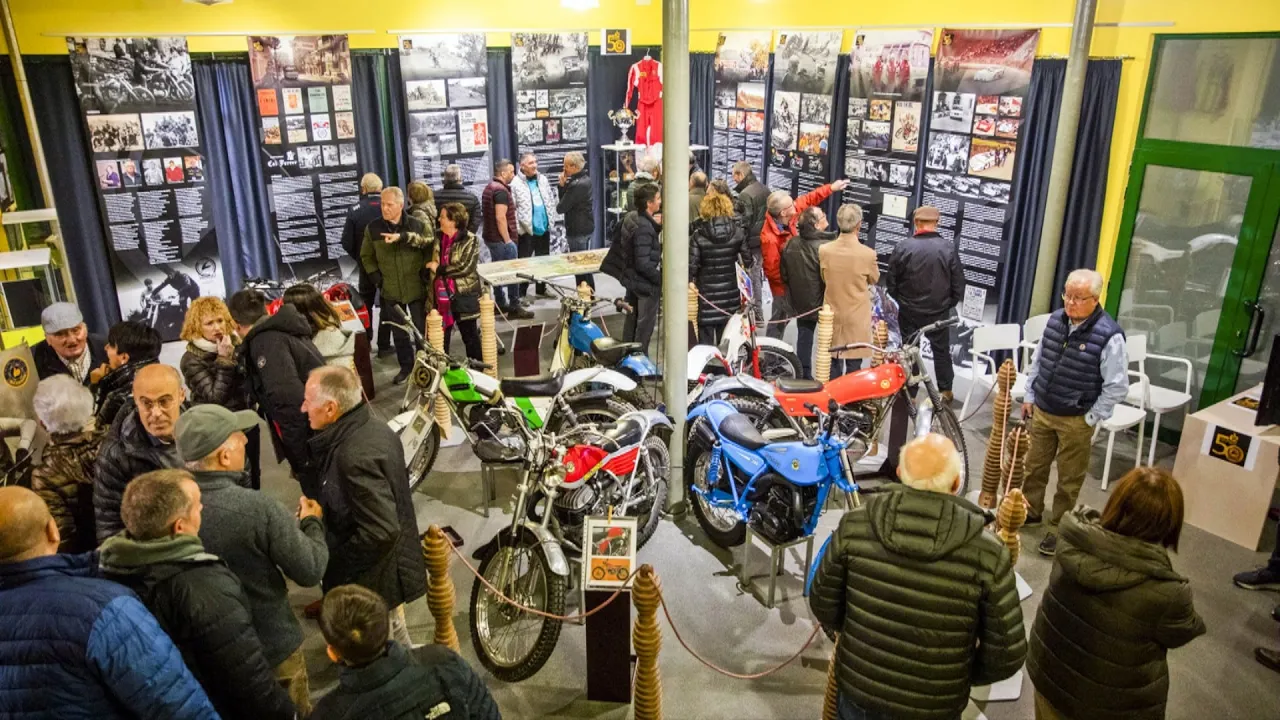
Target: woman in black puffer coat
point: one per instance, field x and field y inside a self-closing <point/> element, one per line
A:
<point x="715" y="247"/>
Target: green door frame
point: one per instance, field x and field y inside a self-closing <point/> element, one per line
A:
<point x="1258" y="227"/>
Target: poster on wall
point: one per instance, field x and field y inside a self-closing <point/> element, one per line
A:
<point x="303" y="90"/>
<point x="804" y="82"/>
<point x="139" y="106"/>
<point x="549" y="76"/>
<point x="446" y="86"/>
<point x="741" y="66"/>
<point x="974" y="124"/>
<point x="888" y="76"/>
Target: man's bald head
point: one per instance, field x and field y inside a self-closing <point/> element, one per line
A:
<point x="930" y="463"/>
<point x="27" y="530"/>
<point x="158" y="395"/>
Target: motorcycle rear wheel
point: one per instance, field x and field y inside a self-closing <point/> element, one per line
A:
<point x="659" y="460"/>
<point x="774" y="363"/>
<point x="601" y="411"/>
<point x="494" y="623"/>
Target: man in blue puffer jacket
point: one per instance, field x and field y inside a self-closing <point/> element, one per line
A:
<point x="73" y="645"/>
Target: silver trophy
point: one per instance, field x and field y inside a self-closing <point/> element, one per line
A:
<point x="623" y="119"/>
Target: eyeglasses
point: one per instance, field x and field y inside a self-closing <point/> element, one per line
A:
<point x="1073" y="300"/>
<point x="165" y="403"/>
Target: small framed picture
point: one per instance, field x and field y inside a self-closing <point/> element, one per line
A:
<point x="611" y="552"/>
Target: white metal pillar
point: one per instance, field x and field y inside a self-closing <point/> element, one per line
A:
<point x="675" y="227"/>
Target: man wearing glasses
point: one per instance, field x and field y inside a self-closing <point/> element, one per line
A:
<point x="1079" y="373"/>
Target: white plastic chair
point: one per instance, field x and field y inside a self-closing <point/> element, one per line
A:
<point x="1159" y="400"/>
<point x="1032" y="331"/>
<point x="986" y="340"/>
<point x="1122" y="418"/>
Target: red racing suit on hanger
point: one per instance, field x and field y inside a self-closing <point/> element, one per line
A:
<point x="645" y="79"/>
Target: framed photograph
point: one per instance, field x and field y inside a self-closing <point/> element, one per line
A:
<point x="610" y="552"/>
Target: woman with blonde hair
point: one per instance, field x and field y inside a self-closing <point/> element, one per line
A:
<point x="212" y="370"/>
<point x="716" y="242"/>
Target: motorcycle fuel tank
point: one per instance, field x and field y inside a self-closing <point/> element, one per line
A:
<point x="799" y="463"/>
<point x="868" y="384"/>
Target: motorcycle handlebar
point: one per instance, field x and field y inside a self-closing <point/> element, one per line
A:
<point x="949" y="322"/>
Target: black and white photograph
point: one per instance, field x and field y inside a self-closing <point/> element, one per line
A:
<point x="426" y="95"/>
<point x="937" y="182"/>
<point x="169" y="130"/>
<point x="424" y="145"/>
<point x="573" y="129"/>
<point x="786" y="120"/>
<point x="726" y="98"/>
<point x="296" y="129"/>
<point x="448" y="144"/>
<point x="858" y="108"/>
<point x="433" y="123"/>
<point x="153" y="172"/>
<point x="347" y="153"/>
<point x="271" y="130"/>
<point x="526" y="104"/>
<point x="902" y="174"/>
<point x="529" y="132"/>
<point x="114" y="133"/>
<point x="877" y="170"/>
<point x="952" y="111"/>
<point x="875" y="135"/>
<point x="815" y="108"/>
<point x="743" y="57"/>
<point x="321" y="130"/>
<point x="309" y="157"/>
<point x="467" y="92"/>
<point x="123" y="75"/>
<point x="806" y="61"/>
<point x="853" y="134"/>
<point x="548" y="60"/>
<point x="569" y="103"/>
<point x="108" y="174"/>
<point x="299" y="60"/>
<point x="721" y="119"/>
<point x="965" y="185"/>
<point x="948" y="152"/>
<point x="345" y="125"/>
<point x="443" y="55"/>
<point x="995" y="191"/>
<point x="855" y="168"/>
<point x="330" y="155"/>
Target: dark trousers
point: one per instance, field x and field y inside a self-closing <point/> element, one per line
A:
<point x="470" y="331"/>
<point x="503" y="296"/>
<point x="369" y="294"/>
<point x="643" y="318"/>
<point x="531" y="246"/>
<point x="709" y="333"/>
<point x="253" y="453"/>
<point x="804" y="346"/>
<point x="841" y="366"/>
<point x="404" y="346"/>
<point x="940" y="341"/>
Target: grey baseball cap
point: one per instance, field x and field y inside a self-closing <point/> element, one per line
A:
<point x="204" y="428"/>
<point x="60" y="316"/>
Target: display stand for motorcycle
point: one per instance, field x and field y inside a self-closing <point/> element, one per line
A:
<point x="609" y="657"/>
<point x="488" y="483"/>
<point x="777" y="563"/>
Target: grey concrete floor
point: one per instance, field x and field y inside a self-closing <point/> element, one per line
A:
<point x="1214" y="677"/>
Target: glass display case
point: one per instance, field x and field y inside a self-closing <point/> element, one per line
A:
<point x="33" y="273"/>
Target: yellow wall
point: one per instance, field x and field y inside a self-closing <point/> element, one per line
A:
<point x="36" y="18"/>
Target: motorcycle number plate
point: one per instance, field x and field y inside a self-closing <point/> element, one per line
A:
<point x="415" y="433"/>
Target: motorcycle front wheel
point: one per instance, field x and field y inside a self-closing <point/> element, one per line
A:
<point x="424" y="459"/>
<point x="511" y="643"/>
<point x="656" y="471"/>
<point x="945" y="423"/>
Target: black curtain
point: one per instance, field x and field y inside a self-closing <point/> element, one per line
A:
<point x="502" y="129"/>
<point x="66" y="151"/>
<point x="238" y="196"/>
<point x="22" y="163"/>
<point x="1087" y="194"/>
<point x="377" y="97"/>
<point x="836" y="140"/>
<point x="606" y="89"/>
<point x="702" y="93"/>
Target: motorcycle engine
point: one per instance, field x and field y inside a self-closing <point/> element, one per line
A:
<point x="572" y="508"/>
<point x="780" y="511"/>
<point x="496" y="443"/>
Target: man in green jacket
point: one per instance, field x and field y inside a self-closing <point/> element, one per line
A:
<point x="924" y="600"/>
<point x="398" y="254"/>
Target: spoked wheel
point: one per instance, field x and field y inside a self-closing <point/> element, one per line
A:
<point x="945" y="423"/>
<point x="600" y="412"/>
<point x="655" y="473"/>
<point x="424" y="459"/>
<point x="514" y="644"/>
<point x="774" y="363"/>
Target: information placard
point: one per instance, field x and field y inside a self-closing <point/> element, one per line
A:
<point x="804" y="81"/>
<point x="446" y="92"/>
<point x="741" y="66"/>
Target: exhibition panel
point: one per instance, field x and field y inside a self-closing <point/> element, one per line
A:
<point x="446" y="90"/>
<point x="742" y="68"/>
<point x="804" y="80"/>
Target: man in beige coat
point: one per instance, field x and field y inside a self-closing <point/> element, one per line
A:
<point x="849" y="270"/>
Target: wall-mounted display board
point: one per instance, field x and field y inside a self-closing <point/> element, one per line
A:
<point x="982" y="77"/>
<point x="888" y="75"/>
<point x="303" y="86"/>
<point x="445" y="89"/>
<point x="139" y="106"/>
<point x="741" y="66"/>
<point x="804" y="82"/>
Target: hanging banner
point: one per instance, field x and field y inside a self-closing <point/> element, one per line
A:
<point x="446" y="94"/>
<point x="549" y="75"/>
<point x="139" y="105"/>
<point x="974" y="123"/>
<point x="742" y="62"/>
<point x="888" y="73"/>
<point x="804" y="81"/>
<point x="303" y="85"/>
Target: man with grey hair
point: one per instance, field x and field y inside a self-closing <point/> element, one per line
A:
<point x="648" y="172"/>
<point x="534" y="200"/>
<point x="259" y="540"/>
<point x="64" y="477"/>
<point x="366" y="210"/>
<point x="67" y="348"/>
<point x="455" y="192"/>
<point x="397" y="247"/>
<point x="849" y="271"/>
<point x="576" y="207"/>
<point x="913" y="574"/>
<point x="697" y="191"/>
<point x="780" y="220"/>
<point x="371" y="527"/>
<point x="1079" y="373"/>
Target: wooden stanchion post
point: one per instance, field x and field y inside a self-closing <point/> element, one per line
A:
<point x="440" y="592"/>
<point x="488" y="335"/>
<point x="647" y="639"/>
<point x="822" y="341"/>
<point x="831" y="699"/>
<point x="995" y="442"/>
<point x="879" y="338"/>
<point x="435" y="336"/>
<point x="693" y="308"/>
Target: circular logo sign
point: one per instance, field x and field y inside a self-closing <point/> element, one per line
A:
<point x="16" y="373"/>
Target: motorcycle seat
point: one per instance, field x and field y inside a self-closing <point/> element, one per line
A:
<point x="609" y="351"/>
<point x="532" y="386"/>
<point x="798" y="385"/>
<point x="739" y="429"/>
<point x="625" y="432"/>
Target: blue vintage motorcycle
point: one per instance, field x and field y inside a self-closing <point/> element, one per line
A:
<point x="779" y="488"/>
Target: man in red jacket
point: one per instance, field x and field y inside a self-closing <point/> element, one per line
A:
<point x="779" y="227"/>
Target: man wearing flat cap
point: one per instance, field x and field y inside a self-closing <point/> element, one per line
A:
<point x="67" y="348"/>
<point x="259" y="540"/>
<point x="926" y="279"/>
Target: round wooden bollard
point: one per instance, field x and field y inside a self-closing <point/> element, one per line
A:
<point x="440" y="591"/>
<point x="831" y="699"/>
<point x="879" y="338"/>
<point x="647" y="639"/>
<point x="693" y="308"/>
<point x="822" y="345"/>
<point x="992" y="461"/>
<point x="435" y="336"/>
<point x="488" y="335"/>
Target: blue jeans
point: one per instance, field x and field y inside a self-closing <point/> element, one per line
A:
<point x="504" y="297"/>
<point x="578" y="243"/>
<point x="848" y="711"/>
